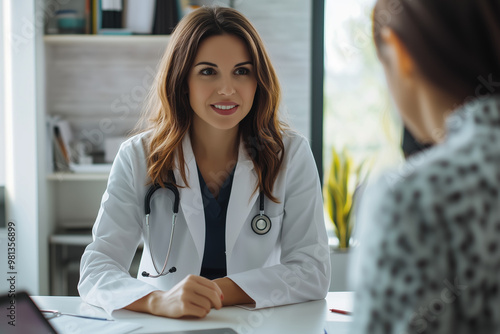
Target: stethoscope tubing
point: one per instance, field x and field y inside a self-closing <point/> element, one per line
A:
<point x="261" y="224"/>
<point x="147" y="210"/>
<point x="148" y="237"/>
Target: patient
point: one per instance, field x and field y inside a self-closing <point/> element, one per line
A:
<point x="429" y="260"/>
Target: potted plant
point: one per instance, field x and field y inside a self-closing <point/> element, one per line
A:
<point x="340" y="189"/>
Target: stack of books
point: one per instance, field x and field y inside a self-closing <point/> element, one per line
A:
<point x="60" y="137"/>
<point x="126" y="17"/>
<point x="67" y="154"/>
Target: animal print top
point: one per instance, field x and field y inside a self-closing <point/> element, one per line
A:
<point x="429" y="255"/>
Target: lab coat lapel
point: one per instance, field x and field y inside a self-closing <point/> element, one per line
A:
<point x="190" y="197"/>
<point x="242" y="198"/>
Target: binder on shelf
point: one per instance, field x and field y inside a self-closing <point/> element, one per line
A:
<point x="96" y="16"/>
<point x="59" y="137"/>
<point x="166" y="17"/>
<point x="63" y="128"/>
<point x="139" y="16"/>
<point x="111" y="14"/>
<point x="88" y="17"/>
<point x="49" y="139"/>
<point x="61" y="147"/>
<point x="61" y="158"/>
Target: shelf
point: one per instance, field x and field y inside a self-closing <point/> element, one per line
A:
<point x="91" y="39"/>
<point x="76" y="239"/>
<point x="71" y="239"/>
<point x="78" y="177"/>
<point x="94" y="172"/>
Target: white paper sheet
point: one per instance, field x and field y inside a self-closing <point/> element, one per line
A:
<point x="337" y="327"/>
<point x="73" y="325"/>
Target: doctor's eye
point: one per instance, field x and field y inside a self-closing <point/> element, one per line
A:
<point x="242" y="71"/>
<point x="207" y="71"/>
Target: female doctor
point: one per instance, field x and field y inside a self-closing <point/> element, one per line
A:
<point x="249" y="226"/>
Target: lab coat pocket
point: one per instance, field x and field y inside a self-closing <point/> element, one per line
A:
<point x="254" y="250"/>
<point x="274" y="229"/>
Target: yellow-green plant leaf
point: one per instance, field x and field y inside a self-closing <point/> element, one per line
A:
<point x="339" y="193"/>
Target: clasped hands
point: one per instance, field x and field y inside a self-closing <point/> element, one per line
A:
<point x="194" y="296"/>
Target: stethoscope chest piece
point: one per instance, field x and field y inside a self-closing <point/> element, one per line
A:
<point x="261" y="224"/>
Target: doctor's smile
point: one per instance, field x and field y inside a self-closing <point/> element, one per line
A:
<point x="224" y="108"/>
<point x="214" y="187"/>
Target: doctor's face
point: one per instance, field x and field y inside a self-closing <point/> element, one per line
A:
<point x="222" y="82"/>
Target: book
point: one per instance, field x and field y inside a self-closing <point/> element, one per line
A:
<point x="166" y="17"/>
<point x="65" y="135"/>
<point x="111" y="11"/>
<point x="50" y="143"/>
<point x="59" y="138"/>
<point x="96" y="16"/>
<point x="139" y="16"/>
<point x="60" y="158"/>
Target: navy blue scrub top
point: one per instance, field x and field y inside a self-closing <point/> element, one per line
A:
<point x="214" y="256"/>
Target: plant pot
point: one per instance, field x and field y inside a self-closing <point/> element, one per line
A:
<point x="340" y="267"/>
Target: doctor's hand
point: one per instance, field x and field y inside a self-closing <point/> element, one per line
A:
<point x="194" y="296"/>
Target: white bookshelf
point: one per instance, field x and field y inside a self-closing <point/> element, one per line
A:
<point x="97" y="83"/>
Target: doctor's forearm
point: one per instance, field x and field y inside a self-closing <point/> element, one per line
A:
<point x="233" y="294"/>
<point x="143" y="304"/>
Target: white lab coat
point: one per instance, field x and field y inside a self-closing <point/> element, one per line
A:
<point x="289" y="264"/>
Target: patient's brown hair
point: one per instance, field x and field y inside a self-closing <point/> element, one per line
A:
<point x="455" y="44"/>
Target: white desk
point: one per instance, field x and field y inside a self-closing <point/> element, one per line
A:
<point x="304" y="318"/>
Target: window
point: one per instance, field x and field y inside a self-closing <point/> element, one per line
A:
<point x="358" y="113"/>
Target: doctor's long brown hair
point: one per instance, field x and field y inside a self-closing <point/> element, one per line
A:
<point x="170" y="114"/>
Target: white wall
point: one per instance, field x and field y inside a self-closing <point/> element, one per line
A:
<point x="21" y="128"/>
<point x="2" y="102"/>
<point x="3" y="237"/>
<point x="285" y="27"/>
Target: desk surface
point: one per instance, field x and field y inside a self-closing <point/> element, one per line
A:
<point x="310" y="317"/>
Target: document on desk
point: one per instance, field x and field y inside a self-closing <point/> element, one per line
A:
<point x="337" y="327"/>
<point x="73" y="325"/>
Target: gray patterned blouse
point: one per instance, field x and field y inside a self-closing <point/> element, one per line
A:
<point x="429" y="255"/>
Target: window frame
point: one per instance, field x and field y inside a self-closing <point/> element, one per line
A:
<point x="317" y="82"/>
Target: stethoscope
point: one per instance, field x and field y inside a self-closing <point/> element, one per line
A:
<point x="261" y="224"/>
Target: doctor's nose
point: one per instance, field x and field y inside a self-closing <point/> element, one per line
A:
<point x="226" y="88"/>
